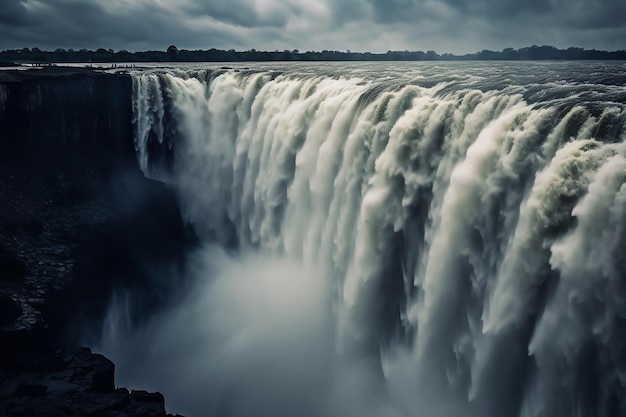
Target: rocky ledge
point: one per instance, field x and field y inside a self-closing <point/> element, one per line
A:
<point x="72" y="383"/>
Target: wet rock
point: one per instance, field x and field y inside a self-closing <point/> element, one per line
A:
<point x="103" y="378"/>
<point x="76" y="382"/>
<point x="26" y="389"/>
<point x="33" y="226"/>
<point x="10" y="310"/>
<point x="147" y="403"/>
<point x="12" y="268"/>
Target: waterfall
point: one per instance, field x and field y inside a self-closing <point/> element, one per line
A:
<point x="468" y="240"/>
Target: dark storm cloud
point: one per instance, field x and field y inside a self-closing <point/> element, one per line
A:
<point x="389" y="11"/>
<point x="90" y="24"/>
<point x="344" y="11"/>
<point x="394" y="11"/>
<point x="599" y="14"/>
<point x="379" y="25"/>
<point x="237" y="12"/>
<point x="501" y="8"/>
<point x="13" y="12"/>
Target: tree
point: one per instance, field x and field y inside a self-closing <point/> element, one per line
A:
<point x="172" y="53"/>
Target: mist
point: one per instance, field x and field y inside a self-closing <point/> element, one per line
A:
<point x="252" y="335"/>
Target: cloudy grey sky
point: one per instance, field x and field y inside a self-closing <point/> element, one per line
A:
<point x="456" y="26"/>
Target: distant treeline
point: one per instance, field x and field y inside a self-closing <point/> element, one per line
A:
<point x="173" y="54"/>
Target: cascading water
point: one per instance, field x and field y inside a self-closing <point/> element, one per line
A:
<point x="407" y="240"/>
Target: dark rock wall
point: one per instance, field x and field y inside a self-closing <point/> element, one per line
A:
<point x="61" y="109"/>
<point x="78" y="223"/>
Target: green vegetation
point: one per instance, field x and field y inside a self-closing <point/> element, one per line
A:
<point x="173" y="54"/>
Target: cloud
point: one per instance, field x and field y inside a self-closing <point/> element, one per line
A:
<point x="235" y="12"/>
<point x="13" y="12"/>
<point x="457" y="26"/>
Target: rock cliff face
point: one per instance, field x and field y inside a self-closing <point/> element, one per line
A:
<point x="75" y="110"/>
<point x="78" y="222"/>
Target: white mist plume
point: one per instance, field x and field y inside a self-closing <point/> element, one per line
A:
<point x="254" y="335"/>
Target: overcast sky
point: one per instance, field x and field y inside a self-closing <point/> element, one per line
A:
<point x="457" y="26"/>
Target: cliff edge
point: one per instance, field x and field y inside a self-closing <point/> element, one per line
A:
<point x="78" y="222"/>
